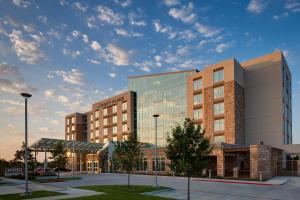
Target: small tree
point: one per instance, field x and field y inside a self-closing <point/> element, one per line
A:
<point x="59" y="157"/>
<point x="188" y="150"/>
<point x="127" y="154"/>
<point x="20" y="156"/>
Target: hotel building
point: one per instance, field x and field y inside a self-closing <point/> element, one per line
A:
<point x="245" y="109"/>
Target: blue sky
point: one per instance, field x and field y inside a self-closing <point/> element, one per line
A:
<point x="69" y="54"/>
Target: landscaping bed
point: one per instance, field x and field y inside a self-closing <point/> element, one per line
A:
<point x="34" y="194"/>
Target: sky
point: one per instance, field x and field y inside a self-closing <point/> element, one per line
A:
<point x="69" y="54"/>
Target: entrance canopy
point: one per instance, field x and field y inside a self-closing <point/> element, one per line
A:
<point x="47" y="144"/>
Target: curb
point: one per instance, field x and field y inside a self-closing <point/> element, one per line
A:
<point x="235" y="182"/>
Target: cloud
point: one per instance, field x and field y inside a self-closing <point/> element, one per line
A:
<point x="75" y="33"/>
<point x="164" y="29"/>
<point x="73" y="76"/>
<point x="21" y="3"/>
<point x="95" y="46"/>
<point x="80" y="7"/>
<point x="11" y="102"/>
<point x="117" y="55"/>
<point x="51" y="93"/>
<point x="123" y="3"/>
<point x="11" y="80"/>
<point x="125" y="33"/>
<point x="43" y="19"/>
<point x="171" y="2"/>
<point x="221" y="47"/>
<point x="187" y="35"/>
<point x="27" y="51"/>
<point x="257" y="6"/>
<point x="85" y="38"/>
<point x="68" y="52"/>
<point x="185" y="13"/>
<point x="135" y="20"/>
<point x="292" y="6"/>
<point x="108" y="16"/>
<point x="207" y="31"/>
<point x="112" y="75"/>
<point x="91" y="22"/>
<point x="279" y="17"/>
<point x="93" y="61"/>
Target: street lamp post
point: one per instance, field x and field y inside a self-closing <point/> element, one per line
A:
<point x="155" y="150"/>
<point x="26" y="96"/>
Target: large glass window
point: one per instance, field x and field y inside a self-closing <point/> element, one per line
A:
<point x="114" y="119"/>
<point x="143" y="164"/>
<point x="115" y="130"/>
<point x="124" y="117"/>
<point x="161" y="164"/>
<point x="219" y="125"/>
<point x="198" y="114"/>
<point x="124" y="105"/>
<point x="219" y="92"/>
<point x="219" y="108"/>
<point x="218" y="75"/>
<point x="219" y="139"/>
<point x="197" y="84"/>
<point x="197" y="99"/>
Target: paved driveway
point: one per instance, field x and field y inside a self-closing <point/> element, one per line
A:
<point x="199" y="189"/>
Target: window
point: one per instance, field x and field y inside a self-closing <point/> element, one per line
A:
<point x="97" y="114"/>
<point x="73" y="128"/>
<point x="105" y="131"/>
<point x="97" y="133"/>
<point x="105" y="111"/>
<point x="68" y="129"/>
<point x="92" y="116"/>
<point x="97" y="123"/>
<point x="73" y="136"/>
<point x="124" y="117"/>
<point x="73" y="120"/>
<point x="124" y="105"/>
<point x="105" y="121"/>
<point x="218" y="92"/>
<point x="114" y="119"/>
<point x="197" y="84"/>
<point x="124" y="128"/>
<point x="104" y="140"/>
<point x="68" y="121"/>
<point x="219" y="125"/>
<point x="92" y="125"/>
<point x="218" y="75"/>
<point x="97" y="141"/>
<point x="125" y="137"/>
<point x="92" y="135"/>
<point x="161" y="164"/>
<point x="219" y="108"/>
<point x="219" y="139"/>
<point x="197" y="99"/>
<point x="198" y="114"/>
<point x="68" y="137"/>
<point x="114" y="129"/>
<point x="143" y="164"/>
<point x="115" y="138"/>
<point x="114" y="109"/>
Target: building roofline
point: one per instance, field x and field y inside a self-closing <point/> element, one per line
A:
<point x="165" y="73"/>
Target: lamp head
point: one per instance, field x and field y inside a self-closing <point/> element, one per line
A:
<point x="26" y="95"/>
<point x="156" y="115"/>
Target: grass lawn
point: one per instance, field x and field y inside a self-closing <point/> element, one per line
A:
<point x="121" y="192"/>
<point x="34" y="194"/>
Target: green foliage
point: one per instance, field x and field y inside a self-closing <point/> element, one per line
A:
<point x="59" y="156"/>
<point x="20" y="156"/>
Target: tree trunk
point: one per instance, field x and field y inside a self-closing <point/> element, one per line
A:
<point x="128" y="184"/>
<point x="188" y="192"/>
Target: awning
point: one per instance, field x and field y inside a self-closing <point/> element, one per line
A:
<point x="78" y="146"/>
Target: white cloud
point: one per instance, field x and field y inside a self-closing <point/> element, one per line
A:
<point x="292" y="6"/>
<point x="73" y="76"/>
<point x="117" y="55"/>
<point x="62" y="99"/>
<point x="11" y="102"/>
<point x="27" y="51"/>
<point x="135" y="20"/>
<point x="157" y="58"/>
<point x="50" y="93"/>
<point x="108" y="16"/>
<point x="91" y="22"/>
<point x="278" y="17"/>
<point x="171" y="2"/>
<point x="207" y="31"/>
<point x="123" y="3"/>
<point x="43" y="19"/>
<point x="85" y="38"/>
<point x="145" y="69"/>
<point x="125" y="33"/>
<point x="187" y="35"/>
<point x="68" y="52"/>
<point x="112" y="75"/>
<point x="185" y="13"/>
<point x="21" y="3"/>
<point x="164" y="29"/>
<point x="79" y="6"/>
<point x="75" y="33"/>
<point x="257" y="6"/>
<point x="220" y="48"/>
<point x="93" y="61"/>
<point x="95" y="46"/>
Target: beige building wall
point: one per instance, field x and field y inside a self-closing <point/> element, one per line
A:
<point x="264" y="100"/>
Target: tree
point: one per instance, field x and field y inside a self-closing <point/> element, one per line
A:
<point x="127" y="155"/>
<point x="20" y="156"/>
<point x="59" y="157"/>
<point x="188" y="150"/>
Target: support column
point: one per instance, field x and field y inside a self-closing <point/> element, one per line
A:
<point x="80" y="163"/>
<point x="220" y="163"/>
<point x="93" y="164"/>
<point x="298" y="167"/>
<point x="260" y="161"/>
<point x="45" y="160"/>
